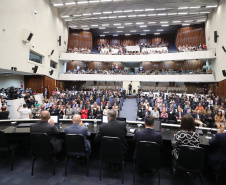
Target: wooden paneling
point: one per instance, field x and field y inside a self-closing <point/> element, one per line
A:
<point x="35" y="82"/>
<point x="93" y="65"/>
<point x="192" y="35"/>
<point x="134" y="39"/>
<point x="222" y="89"/>
<point x="50" y="84"/>
<point x="175" y="65"/>
<point x="80" y="38"/>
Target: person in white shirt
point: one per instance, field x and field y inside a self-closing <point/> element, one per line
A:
<point x="25" y="113"/>
<point x="155" y="113"/>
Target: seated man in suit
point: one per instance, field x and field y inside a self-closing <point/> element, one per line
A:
<point x="209" y="119"/>
<point x="198" y="116"/>
<point x="146" y="113"/>
<point x="44" y="126"/>
<point x="179" y="114"/>
<point x="78" y="128"/>
<point x="54" y="110"/>
<point x="92" y="113"/>
<point x="113" y="128"/>
<point x="4" y="113"/>
<point x="218" y="154"/>
<point x="148" y="134"/>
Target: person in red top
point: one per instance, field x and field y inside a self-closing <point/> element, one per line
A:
<point x="84" y="112"/>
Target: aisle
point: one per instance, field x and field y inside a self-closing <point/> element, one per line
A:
<point x="129" y="110"/>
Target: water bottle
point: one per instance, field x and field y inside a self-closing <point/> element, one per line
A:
<point x="95" y="122"/>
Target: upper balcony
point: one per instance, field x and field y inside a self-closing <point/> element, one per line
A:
<point x="207" y="54"/>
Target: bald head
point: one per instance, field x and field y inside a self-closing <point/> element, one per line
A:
<point x="76" y="119"/>
<point x="111" y="114"/>
<point x="45" y="116"/>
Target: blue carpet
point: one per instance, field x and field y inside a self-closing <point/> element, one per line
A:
<point x="129" y="110"/>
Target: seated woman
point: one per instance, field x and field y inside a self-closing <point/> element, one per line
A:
<point x="84" y="112"/>
<point x="186" y="136"/>
<point x="219" y="120"/>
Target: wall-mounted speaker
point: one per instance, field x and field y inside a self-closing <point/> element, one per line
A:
<point x="51" y="72"/>
<point x="27" y="35"/>
<point x="224" y="48"/>
<point x="59" y="40"/>
<point x="215" y="36"/>
<point x="13" y="68"/>
<point x="224" y="73"/>
<point x="35" y="69"/>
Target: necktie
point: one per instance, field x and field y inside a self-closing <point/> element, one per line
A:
<point x="179" y="115"/>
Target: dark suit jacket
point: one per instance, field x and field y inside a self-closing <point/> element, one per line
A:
<point x="54" y="111"/>
<point x="177" y="114"/>
<point x="77" y="129"/>
<point x="114" y="128"/>
<point x="51" y="131"/>
<point x="200" y="116"/>
<point x="219" y="153"/>
<point x="47" y="93"/>
<point x="4" y="115"/>
<point x="147" y="134"/>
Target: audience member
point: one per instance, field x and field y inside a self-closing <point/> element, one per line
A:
<point x="4" y="114"/>
<point x="25" y="113"/>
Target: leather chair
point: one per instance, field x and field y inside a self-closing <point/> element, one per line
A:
<point x="110" y="151"/>
<point x="147" y="156"/>
<point x="40" y="145"/>
<point x="75" y="147"/>
<point x="7" y="147"/>
<point x="191" y="159"/>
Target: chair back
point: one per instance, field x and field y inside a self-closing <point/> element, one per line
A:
<point x="148" y="154"/>
<point x="191" y="158"/>
<point x="40" y="143"/>
<point x="110" y="149"/>
<point x="3" y="140"/>
<point x="75" y="144"/>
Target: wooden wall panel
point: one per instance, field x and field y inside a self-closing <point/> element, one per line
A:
<point x="222" y="89"/>
<point x="80" y="38"/>
<point x="192" y="35"/>
<point x="134" y="39"/>
<point x="50" y="84"/>
<point x="35" y="82"/>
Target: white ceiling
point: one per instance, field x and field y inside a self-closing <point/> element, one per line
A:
<point x="123" y="16"/>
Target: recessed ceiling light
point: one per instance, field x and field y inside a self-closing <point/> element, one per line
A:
<point x="73" y="26"/>
<point x="172" y="13"/>
<point x="151" y="14"/>
<point x="194" y="13"/>
<point x="103" y="17"/>
<point x="115" y="35"/>
<point x="156" y="33"/>
<point x="108" y="12"/>
<point x="165" y="25"/>
<point x="204" y="12"/>
<point x="71" y="3"/>
<point x="77" y="15"/>
<point x="120" y="27"/>
<point x="211" y="6"/>
<point x="182" y="8"/>
<point x="65" y="16"/>
<point x="86" y="14"/>
<point x="96" y="1"/>
<point x="188" y="21"/>
<point x="117" y="24"/>
<point x="122" y="16"/>
<point x="160" y="9"/>
<point x="201" y="20"/>
<point x="82" y="2"/>
<point x="161" y="14"/>
<point x="60" y="4"/>
<point x="176" y="21"/>
<point x="128" y="23"/>
<point x="146" y="30"/>
<point x="185" y="24"/>
<point x="102" y="28"/>
<point x="127" y="34"/>
<point x="140" y="23"/>
<point x="96" y="13"/>
<point x="112" y="17"/>
<point x="118" y="11"/>
<point x="163" y="22"/>
<point x="160" y="30"/>
<point x="143" y="26"/>
<point x="132" y="15"/>
<point x="106" y="0"/>
<point x="94" y="25"/>
<point x="105" y="24"/>
<point x="106" y="32"/>
<point x="141" y="10"/>
<point x="143" y="34"/>
<point x="126" y="11"/>
<point x="84" y="26"/>
<point x="151" y="22"/>
<point x="119" y="31"/>
<point x="142" y="15"/>
<point x="102" y="35"/>
<point x="149" y="9"/>
<point x="93" y="18"/>
<point x="133" y="31"/>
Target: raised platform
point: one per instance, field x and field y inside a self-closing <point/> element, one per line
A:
<point x="130" y="96"/>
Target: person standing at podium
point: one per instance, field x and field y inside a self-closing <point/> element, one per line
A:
<point x="130" y="88"/>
